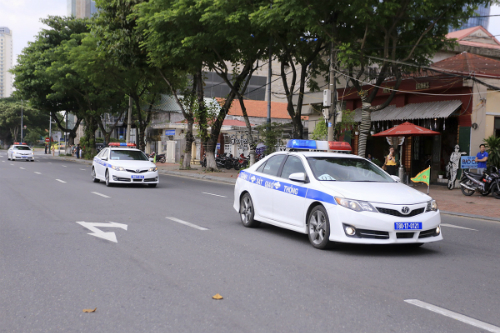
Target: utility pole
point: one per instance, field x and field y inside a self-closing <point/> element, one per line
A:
<point x="269" y="77"/>
<point x="22" y="125"/>
<point x="333" y="91"/>
<point x="129" y="120"/>
<point x="50" y="133"/>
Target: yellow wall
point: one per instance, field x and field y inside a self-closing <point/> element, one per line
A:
<point x="492" y="111"/>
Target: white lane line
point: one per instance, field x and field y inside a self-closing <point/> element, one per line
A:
<point x="456" y="226"/>
<point x="22" y="168"/>
<point x="11" y="164"/>
<point x="454" y="315"/>
<point x="38" y="173"/>
<point x="102" y="195"/>
<point x="186" y="223"/>
<point x="62" y="181"/>
<point x="82" y="169"/>
<point x="214" y="194"/>
<point x="64" y="166"/>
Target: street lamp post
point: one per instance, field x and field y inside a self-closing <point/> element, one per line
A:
<point x="22" y="125"/>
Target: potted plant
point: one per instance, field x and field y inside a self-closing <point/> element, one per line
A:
<point x="440" y="174"/>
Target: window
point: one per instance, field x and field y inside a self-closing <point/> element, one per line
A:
<point x="103" y="153"/>
<point x="273" y="165"/>
<point x="347" y="169"/>
<point x="261" y="168"/>
<point x="292" y="165"/>
<point x="128" y="155"/>
<point x="497" y="127"/>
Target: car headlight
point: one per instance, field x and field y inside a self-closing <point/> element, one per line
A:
<point x="358" y="206"/>
<point x="432" y="206"/>
<point x="118" y="168"/>
<point x="153" y="169"/>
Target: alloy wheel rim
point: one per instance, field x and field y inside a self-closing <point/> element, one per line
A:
<point x="246" y="211"/>
<point x="317" y="227"/>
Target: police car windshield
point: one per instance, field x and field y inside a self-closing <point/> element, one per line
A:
<point x="21" y="148"/>
<point x="128" y="155"/>
<point x="347" y="170"/>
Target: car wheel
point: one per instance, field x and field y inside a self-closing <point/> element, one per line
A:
<point x="108" y="184"/>
<point x="94" y="178"/>
<point x="318" y="227"/>
<point x="247" y="212"/>
<point x="152" y="185"/>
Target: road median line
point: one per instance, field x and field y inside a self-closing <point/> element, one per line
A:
<point x="186" y="223"/>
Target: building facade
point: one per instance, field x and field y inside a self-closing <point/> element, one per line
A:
<point x="81" y="8"/>
<point x="482" y="19"/>
<point x="6" y="61"/>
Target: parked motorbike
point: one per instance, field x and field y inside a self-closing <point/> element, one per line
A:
<point x="160" y="158"/>
<point x="241" y="163"/>
<point x="486" y="183"/>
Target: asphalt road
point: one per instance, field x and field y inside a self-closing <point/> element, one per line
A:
<point x="161" y="274"/>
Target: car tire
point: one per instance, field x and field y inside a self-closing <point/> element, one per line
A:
<point x="247" y="212"/>
<point x="318" y="227"/>
<point x="94" y="177"/>
<point x="465" y="191"/>
<point x="152" y="185"/>
<point x="108" y="183"/>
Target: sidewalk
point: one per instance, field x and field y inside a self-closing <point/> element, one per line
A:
<point x="451" y="202"/>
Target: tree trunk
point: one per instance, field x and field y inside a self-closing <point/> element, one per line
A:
<point x="210" y="155"/>
<point x="186" y="163"/>
<point x="364" y="128"/>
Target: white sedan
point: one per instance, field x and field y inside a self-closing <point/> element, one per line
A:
<point x="20" y="152"/>
<point x="335" y="197"/>
<point x="122" y="164"/>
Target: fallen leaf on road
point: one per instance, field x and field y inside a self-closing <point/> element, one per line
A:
<point x="89" y="310"/>
<point x="217" y="296"/>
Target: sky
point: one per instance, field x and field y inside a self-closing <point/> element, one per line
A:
<point x="23" y="18"/>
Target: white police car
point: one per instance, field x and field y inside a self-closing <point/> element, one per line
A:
<point x="334" y="197"/>
<point x="20" y="151"/>
<point x="121" y="163"/>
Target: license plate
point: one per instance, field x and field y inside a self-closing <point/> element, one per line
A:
<point x="137" y="177"/>
<point x="408" y="225"/>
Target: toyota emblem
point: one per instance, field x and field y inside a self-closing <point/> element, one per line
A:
<point x="137" y="171"/>
<point x="405" y="210"/>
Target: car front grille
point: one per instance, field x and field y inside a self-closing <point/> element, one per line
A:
<point x="427" y="233"/>
<point x="394" y="212"/>
<point x="149" y="180"/>
<point x="400" y="235"/>
<point x="364" y="233"/>
<point x="123" y="179"/>
<point x="135" y="171"/>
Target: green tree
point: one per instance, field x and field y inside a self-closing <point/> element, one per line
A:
<point x="31" y="80"/>
<point x="493" y="149"/>
<point x="10" y="119"/>
<point x="197" y="34"/>
<point x="395" y="33"/>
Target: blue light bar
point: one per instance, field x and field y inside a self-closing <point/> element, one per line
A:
<point x="301" y="144"/>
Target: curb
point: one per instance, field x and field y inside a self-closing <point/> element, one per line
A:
<point x="471" y="216"/>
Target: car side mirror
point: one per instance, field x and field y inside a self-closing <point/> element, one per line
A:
<point x="396" y="178"/>
<point x="298" y="177"/>
<point x="151" y="160"/>
<point x="104" y="158"/>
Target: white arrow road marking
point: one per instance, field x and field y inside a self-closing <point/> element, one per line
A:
<point x="110" y="236"/>
<point x="454" y="315"/>
<point x="102" y="195"/>
<point x="456" y="226"/>
<point x="21" y="168"/>
<point x="213" y="194"/>
<point x="38" y="173"/>
<point x="186" y="223"/>
<point x="62" y="181"/>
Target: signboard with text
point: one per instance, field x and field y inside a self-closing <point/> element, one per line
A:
<point x="468" y="162"/>
<point x="170" y="132"/>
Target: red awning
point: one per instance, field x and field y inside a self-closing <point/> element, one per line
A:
<point x="407" y="129"/>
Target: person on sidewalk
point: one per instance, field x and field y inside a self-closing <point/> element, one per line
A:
<point x="481" y="159"/>
<point x="390" y="163"/>
<point x="77" y="151"/>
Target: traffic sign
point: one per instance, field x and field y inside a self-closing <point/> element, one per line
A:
<point x="47" y="140"/>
